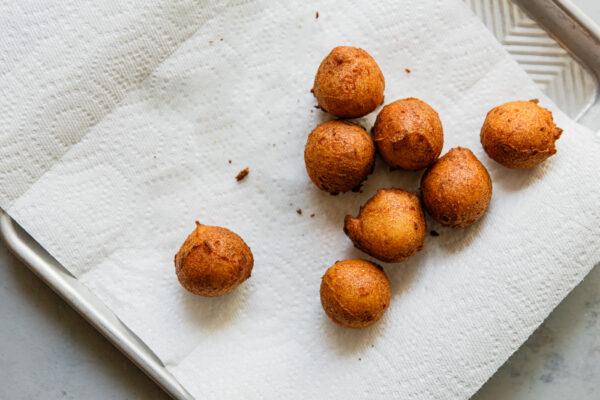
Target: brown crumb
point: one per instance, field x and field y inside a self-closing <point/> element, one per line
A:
<point x="359" y="358"/>
<point x="221" y="39"/>
<point x="243" y="173"/>
<point x="317" y="15"/>
<point x="291" y="204"/>
<point x="229" y="161"/>
<point x="299" y="211"/>
<point x="434" y="233"/>
<point x="535" y="101"/>
<point x="372" y="345"/>
<point x="312" y="110"/>
<point x="312" y="215"/>
<point x="274" y="144"/>
<point x="407" y="70"/>
<point x="299" y="26"/>
<point x="154" y="156"/>
<point x="210" y="42"/>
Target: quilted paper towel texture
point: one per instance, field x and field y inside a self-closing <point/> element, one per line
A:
<point x="112" y="197"/>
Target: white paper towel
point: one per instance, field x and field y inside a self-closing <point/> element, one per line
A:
<point x="116" y="129"/>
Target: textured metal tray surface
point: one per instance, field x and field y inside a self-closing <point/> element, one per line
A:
<point x="563" y="59"/>
<point x="560" y="76"/>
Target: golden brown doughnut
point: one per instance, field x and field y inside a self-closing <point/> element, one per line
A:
<point x="390" y="226"/>
<point x="355" y="293"/>
<point x="213" y="261"/>
<point x="409" y="134"/>
<point x="457" y="189"/>
<point x="519" y="134"/>
<point x="338" y="156"/>
<point x="349" y="83"/>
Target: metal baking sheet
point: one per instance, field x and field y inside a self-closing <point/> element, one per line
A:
<point x="552" y="40"/>
<point x="87" y="304"/>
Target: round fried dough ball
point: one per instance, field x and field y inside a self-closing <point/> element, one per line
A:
<point x="409" y="134"/>
<point x="338" y="156"/>
<point x="349" y="83"/>
<point x="213" y="261"/>
<point x="355" y="293"/>
<point x="457" y="189"/>
<point x="390" y="226"/>
<point x="519" y="134"/>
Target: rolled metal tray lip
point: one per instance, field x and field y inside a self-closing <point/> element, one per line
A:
<point x="577" y="15"/>
<point x="105" y="321"/>
<point x="87" y="305"/>
<point x="579" y="35"/>
<point x="591" y="31"/>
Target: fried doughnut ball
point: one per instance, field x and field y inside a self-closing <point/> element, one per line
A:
<point x="409" y="134"/>
<point x="519" y="134"/>
<point x="390" y="226"/>
<point x="355" y="293"/>
<point x="213" y="261"/>
<point x="457" y="189"/>
<point x="349" y="84"/>
<point x="339" y="156"/>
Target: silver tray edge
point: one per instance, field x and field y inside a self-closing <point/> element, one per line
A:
<point x="87" y="305"/>
<point x="578" y="35"/>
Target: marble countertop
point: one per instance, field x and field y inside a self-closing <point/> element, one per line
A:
<point x="48" y="351"/>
